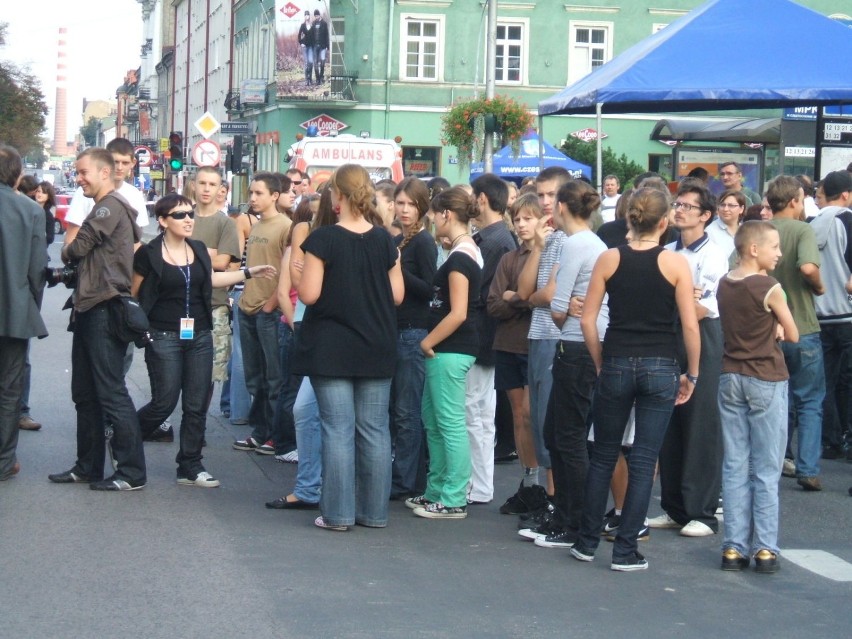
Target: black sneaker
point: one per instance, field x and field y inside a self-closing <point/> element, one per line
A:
<point x="561" y="539"/>
<point x="72" y="476"/>
<point x="535" y="518"/>
<point x="164" y="435"/>
<point x="644" y="534"/>
<point x="581" y="553"/>
<point x="541" y="531"/>
<point x="115" y="484"/>
<point x="636" y="561"/>
<point x="611" y="523"/>
<point x="527" y="499"/>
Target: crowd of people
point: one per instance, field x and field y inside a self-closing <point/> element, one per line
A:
<point x="364" y="331"/>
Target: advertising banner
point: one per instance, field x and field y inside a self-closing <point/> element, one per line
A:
<point x="302" y="48"/>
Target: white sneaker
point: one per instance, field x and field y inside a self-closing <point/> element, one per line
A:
<point x="696" y="528"/>
<point x="789" y="468"/>
<point x="202" y="480"/>
<point x="663" y="521"/>
<point x="289" y="458"/>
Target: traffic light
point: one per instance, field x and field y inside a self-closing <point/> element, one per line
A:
<point x="176" y="151"/>
<point x="236" y="157"/>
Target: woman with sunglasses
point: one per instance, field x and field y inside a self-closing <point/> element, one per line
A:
<point x="173" y="280"/>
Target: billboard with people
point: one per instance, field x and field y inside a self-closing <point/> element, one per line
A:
<point x="302" y="48"/>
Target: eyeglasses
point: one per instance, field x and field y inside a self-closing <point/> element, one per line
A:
<point x="726" y="205"/>
<point x="179" y="215"/>
<point x="686" y="206"/>
<point x="728" y="173"/>
<point x="295" y="182"/>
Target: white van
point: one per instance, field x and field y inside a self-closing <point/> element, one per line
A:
<point x="320" y="156"/>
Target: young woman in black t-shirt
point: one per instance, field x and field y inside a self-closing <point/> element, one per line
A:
<point x="351" y="282"/>
<point x="419" y="257"/>
<point x="450" y="349"/>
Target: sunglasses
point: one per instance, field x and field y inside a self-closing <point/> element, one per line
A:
<point x="179" y="215"/>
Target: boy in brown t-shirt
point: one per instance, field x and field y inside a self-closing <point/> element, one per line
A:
<point x="753" y="398"/>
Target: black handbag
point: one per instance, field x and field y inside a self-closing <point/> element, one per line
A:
<point x="128" y="322"/>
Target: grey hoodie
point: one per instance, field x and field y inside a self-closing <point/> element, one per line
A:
<point x="833" y="230"/>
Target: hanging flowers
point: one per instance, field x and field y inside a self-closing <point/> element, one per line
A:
<point x="467" y="122"/>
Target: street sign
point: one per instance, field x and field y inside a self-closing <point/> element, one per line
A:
<point x="238" y="128"/>
<point x="164" y="144"/>
<point x="144" y="156"/>
<point x="206" y="153"/>
<point x="207" y="124"/>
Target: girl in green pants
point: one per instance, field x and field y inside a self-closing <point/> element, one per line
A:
<point x="450" y="349"/>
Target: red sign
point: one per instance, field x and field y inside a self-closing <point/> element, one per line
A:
<point x="290" y="9"/>
<point x="325" y="124"/>
<point x="588" y="135"/>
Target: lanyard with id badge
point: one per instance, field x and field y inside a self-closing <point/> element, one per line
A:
<point x="187" y="324"/>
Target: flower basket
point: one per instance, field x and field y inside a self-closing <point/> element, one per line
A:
<point x="467" y="122"/>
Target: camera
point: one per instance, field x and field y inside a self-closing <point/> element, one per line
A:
<point x="61" y="275"/>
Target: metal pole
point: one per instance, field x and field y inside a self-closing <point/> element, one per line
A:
<point x="490" y="72"/>
<point x="598" y="124"/>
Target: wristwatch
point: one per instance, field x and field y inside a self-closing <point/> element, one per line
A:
<point x="247" y="272"/>
<point x="692" y="378"/>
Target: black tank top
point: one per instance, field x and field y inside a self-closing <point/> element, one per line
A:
<point x="642" y="308"/>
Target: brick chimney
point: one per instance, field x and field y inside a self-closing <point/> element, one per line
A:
<point x="60" y="123"/>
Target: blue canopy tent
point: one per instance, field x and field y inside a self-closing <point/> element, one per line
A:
<point x="535" y="154"/>
<point x="679" y="68"/>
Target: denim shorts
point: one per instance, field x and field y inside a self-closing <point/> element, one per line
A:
<point x="510" y="370"/>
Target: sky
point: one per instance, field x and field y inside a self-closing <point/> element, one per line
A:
<point x="103" y="42"/>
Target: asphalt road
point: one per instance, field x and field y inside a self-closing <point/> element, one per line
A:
<point x="174" y="561"/>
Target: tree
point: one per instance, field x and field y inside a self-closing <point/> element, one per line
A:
<point x="89" y="131"/>
<point x="22" y="106"/>
<point x="621" y="166"/>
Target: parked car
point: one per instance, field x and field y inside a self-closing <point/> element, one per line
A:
<point x="62" y="203"/>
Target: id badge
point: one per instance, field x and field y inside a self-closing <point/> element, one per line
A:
<point x="187" y="328"/>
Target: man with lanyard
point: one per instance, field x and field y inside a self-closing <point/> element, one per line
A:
<point x="691" y="456"/>
<point x="103" y="251"/>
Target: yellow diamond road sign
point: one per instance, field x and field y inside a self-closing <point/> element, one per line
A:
<point x="207" y="125"/>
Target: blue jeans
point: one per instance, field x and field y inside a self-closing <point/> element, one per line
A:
<point x="284" y="430"/>
<point x="239" y="400"/>
<point x="652" y="383"/>
<point x="752" y="412"/>
<point x="259" y="335"/>
<point x="806" y="392"/>
<point x="179" y="368"/>
<point x="309" y="441"/>
<point x="406" y="406"/>
<point x="356" y="451"/>
<point x="100" y="396"/>
<point x="540" y="375"/>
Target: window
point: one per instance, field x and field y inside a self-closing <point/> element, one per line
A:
<point x="338" y="30"/>
<point x="590" y="46"/>
<point x="511" y="52"/>
<point x="421" y="57"/>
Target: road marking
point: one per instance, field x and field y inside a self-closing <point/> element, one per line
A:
<point x="820" y="562"/>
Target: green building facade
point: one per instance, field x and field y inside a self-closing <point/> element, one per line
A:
<point x="396" y="66"/>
